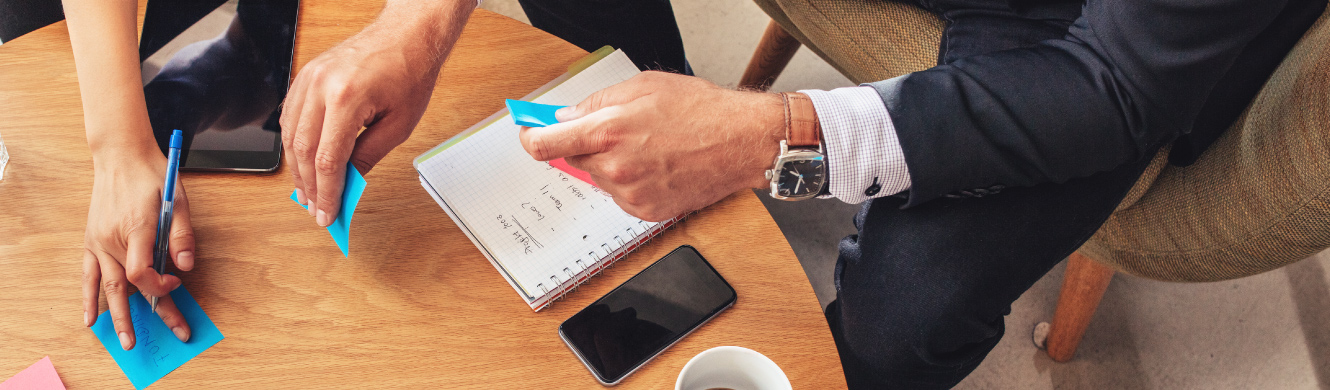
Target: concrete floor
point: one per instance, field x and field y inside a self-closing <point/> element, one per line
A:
<point x="1270" y="331"/>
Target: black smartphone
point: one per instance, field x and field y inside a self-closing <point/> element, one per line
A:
<point x="638" y="320"/>
<point x="218" y="70"/>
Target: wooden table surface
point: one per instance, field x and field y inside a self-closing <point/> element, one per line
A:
<point x="416" y="304"/>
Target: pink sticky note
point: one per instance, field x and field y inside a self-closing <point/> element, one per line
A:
<point x="39" y="376"/>
<point x="578" y="173"/>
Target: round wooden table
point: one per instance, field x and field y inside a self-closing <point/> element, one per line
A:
<point x="415" y="305"/>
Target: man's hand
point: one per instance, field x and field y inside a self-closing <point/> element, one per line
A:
<point x="118" y="242"/>
<point x="380" y="79"/>
<point x="666" y="144"/>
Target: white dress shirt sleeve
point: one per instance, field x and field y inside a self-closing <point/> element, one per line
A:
<point x="864" y="158"/>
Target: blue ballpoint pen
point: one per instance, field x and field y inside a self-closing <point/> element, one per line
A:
<point x="162" y="252"/>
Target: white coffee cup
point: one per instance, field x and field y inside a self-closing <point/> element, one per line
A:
<point x="735" y="368"/>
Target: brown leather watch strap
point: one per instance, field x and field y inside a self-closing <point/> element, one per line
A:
<point x="801" y="125"/>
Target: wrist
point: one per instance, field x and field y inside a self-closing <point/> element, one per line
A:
<point x="131" y="136"/>
<point x="425" y="30"/>
<point x="115" y="155"/>
<point x="768" y="127"/>
<point x="799" y="171"/>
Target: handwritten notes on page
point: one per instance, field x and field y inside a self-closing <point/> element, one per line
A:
<point x="39" y="376"/>
<point x="340" y="228"/>
<point x="544" y="228"/>
<point x="157" y="351"/>
<point x="540" y="115"/>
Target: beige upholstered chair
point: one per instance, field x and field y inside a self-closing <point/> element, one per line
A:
<point x="1257" y="200"/>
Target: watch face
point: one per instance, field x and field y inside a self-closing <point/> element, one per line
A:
<point x="800" y="178"/>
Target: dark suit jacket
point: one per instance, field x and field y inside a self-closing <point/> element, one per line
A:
<point x="1129" y="77"/>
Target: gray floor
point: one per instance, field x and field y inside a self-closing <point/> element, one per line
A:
<point x="1270" y="331"/>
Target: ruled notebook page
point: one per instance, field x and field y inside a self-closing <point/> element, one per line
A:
<point x="534" y="220"/>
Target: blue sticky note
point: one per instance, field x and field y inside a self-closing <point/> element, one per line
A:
<point x="532" y="114"/>
<point x="340" y="228"/>
<point x="157" y="351"/>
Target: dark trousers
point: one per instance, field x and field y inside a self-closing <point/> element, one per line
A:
<point x="644" y="29"/>
<point x="922" y="292"/>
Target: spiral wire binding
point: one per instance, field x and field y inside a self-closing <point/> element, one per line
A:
<point x="639" y="240"/>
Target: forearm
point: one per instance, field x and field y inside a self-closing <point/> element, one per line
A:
<point x="428" y="28"/>
<point x="103" y="36"/>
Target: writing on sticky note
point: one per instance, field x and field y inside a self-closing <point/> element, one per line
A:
<point x="157" y="351"/>
<point x="340" y="228"/>
<point x="540" y="115"/>
<point x="39" y="376"/>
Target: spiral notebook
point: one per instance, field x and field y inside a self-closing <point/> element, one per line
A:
<point x="544" y="230"/>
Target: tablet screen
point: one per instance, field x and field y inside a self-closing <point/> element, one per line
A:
<point x="218" y="71"/>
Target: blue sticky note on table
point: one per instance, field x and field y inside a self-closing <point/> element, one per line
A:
<point x="532" y="114"/>
<point x="157" y="351"/>
<point x="340" y="228"/>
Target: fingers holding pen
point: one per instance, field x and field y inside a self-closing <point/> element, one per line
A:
<point x="138" y="267"/>
<point x="116" y="288"/>
<point x="171" y="316"/>
<point x="182" y="233"/>
<point x="92" y="278"/>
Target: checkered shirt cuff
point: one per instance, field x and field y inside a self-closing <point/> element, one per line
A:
<point x="864" y="157"/>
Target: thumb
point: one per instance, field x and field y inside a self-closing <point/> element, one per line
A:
<point x="379" y="138"/>
<point x="182" y="232"/>
<point x="627" y="91"/>
<point x="139" y="268"/>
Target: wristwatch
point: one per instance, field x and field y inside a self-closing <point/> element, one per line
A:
<point x="800" y="170"/>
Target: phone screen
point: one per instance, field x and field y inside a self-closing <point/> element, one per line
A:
<point x="651" y="311"/>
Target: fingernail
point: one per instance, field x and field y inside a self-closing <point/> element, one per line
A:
<point x="323" y="218"/>
<point x="186" y="258"/>
<point x="311" y="208"/>
<point x="87" y="318"/>
<point x="181" y="333"/>
<point x="124" y="341"/>
<point x="564" y="114"/>
<point x="301" y="197"/>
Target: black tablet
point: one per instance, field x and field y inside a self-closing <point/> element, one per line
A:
<point x="218" y="70"/>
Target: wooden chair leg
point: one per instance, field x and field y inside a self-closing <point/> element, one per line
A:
<point x="1082" y="288"/>
<point x="772" y="54"/>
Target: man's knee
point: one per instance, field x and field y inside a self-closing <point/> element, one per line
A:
<point x="917" y="332"/>
<point x="908" y="316"/>
<point x="911" y="341"/>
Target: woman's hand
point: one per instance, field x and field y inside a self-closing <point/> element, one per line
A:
<point x="129" y="171"/>
<point x="121" y="232"/>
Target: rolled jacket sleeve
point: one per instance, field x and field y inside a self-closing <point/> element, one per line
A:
<point x="864" y="158"/>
